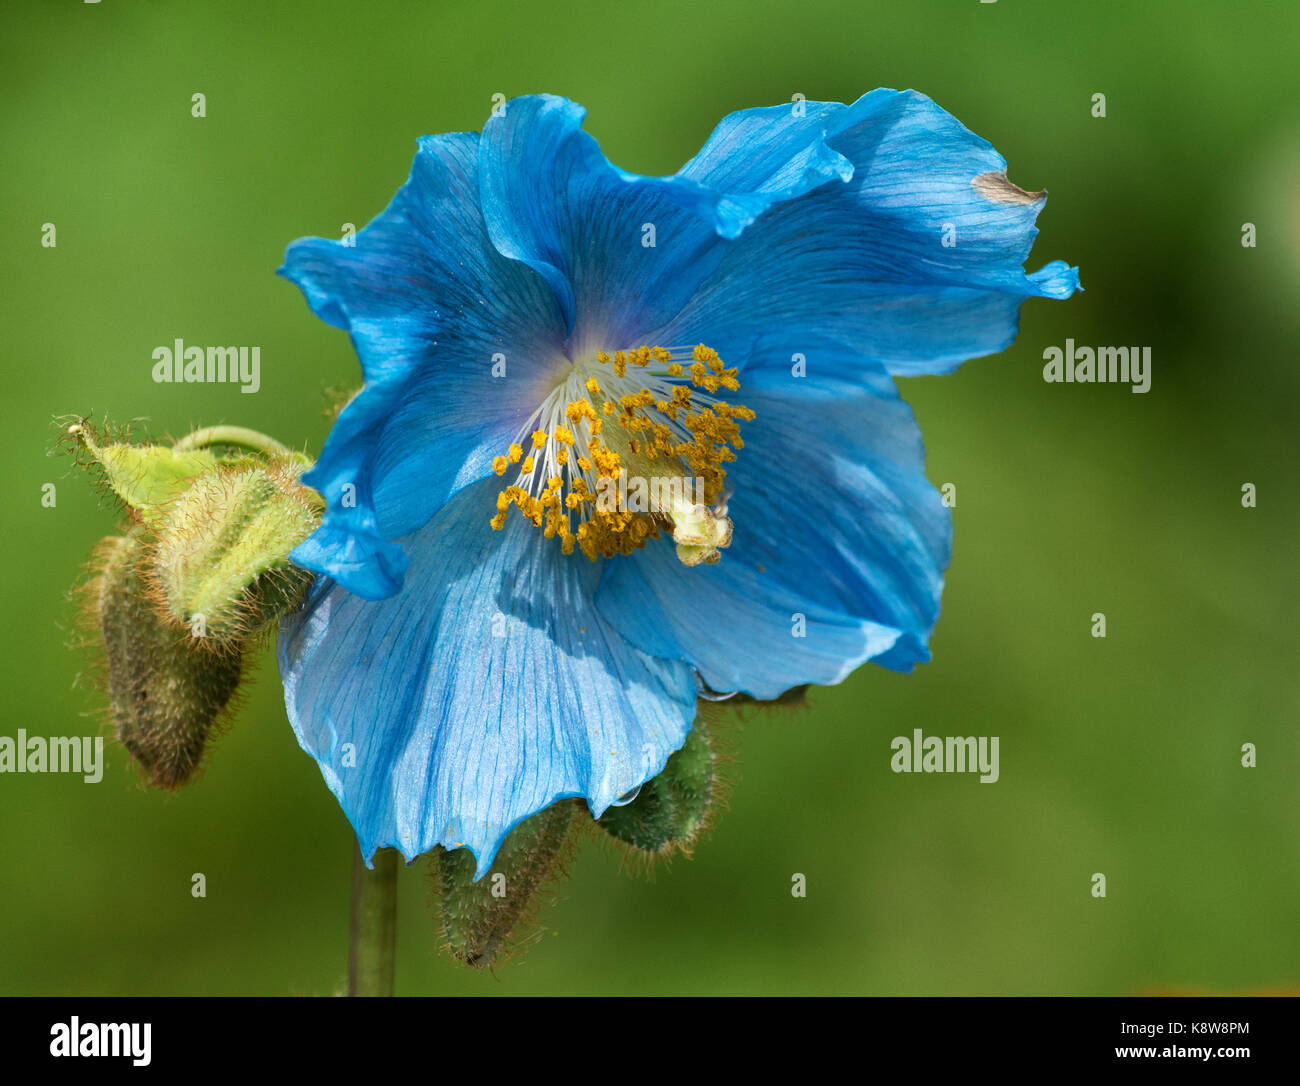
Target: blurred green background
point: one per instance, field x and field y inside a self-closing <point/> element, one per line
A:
<point x="1119" y="756"/>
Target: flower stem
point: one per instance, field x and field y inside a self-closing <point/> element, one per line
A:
<point x="372" y="952"/>
<point x="239" y="436"/>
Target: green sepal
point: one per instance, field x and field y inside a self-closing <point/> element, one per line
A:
<point x="671" y="809"/>
<point x="145" y="478"/>
<point x="479" y="918"/>
<point x="166" y="690"/>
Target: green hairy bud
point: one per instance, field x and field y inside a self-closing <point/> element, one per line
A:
<point x="669" y="812"/>
<point x="218" y="529"/>
<point x="200" y="572"/>
<point x="220" y="560"/>
<point x="166" y="690"/>
<point x="478" y="918"/>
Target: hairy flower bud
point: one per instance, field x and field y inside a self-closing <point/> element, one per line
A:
<point x="166" y="689"/>
<point x="670" y="810"/>
<point x="478" y="918"/>
<point x="220" y="560"/>
<point x="201" y="570"/>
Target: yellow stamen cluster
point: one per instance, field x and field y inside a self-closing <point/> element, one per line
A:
<point x="669" y="434"/>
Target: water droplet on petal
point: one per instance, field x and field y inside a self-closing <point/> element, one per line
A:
<point x="709" y="694"/>
<point x="627" y="797"/>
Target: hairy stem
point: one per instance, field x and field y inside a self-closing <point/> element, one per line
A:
<point x="372" y="953"/>
<point x="239" y="436"/>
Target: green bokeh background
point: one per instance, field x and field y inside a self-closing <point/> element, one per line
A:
<point x="1119" y="756"/>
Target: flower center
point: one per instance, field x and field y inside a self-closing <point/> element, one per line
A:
<point x="626" y="447"/>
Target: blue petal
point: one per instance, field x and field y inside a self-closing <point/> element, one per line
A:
<point x="430" y="304"/>
<point x="866" y="260"/>
<point x="487" y="690"/>
<point x="553" y="201"/>
<point x="834" y="522"/>
<point x="757" y="158"/>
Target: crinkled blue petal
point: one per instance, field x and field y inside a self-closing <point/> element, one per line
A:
<point x="485" y="691"/>
<point x="756" y="158"/>
<point x="838" y="551"/>
<point x="431" y="307"/>
<point x="553" y="201"/>
<point x="916" y="259"/>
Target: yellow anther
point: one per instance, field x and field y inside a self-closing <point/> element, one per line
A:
<point x="659" y="432"/>
<point x="579" y="410"/>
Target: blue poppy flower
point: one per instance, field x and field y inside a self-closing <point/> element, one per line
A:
<point x="535" y="324"/>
